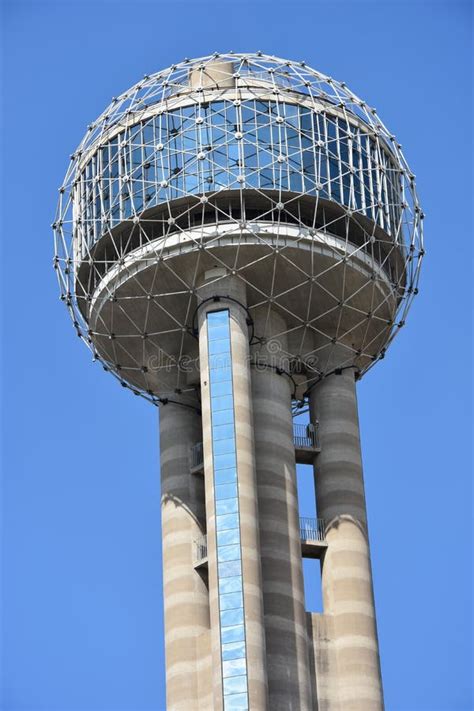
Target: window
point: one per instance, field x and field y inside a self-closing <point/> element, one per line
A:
<point x="284" y="147"/>
<point x="226" y="501"/>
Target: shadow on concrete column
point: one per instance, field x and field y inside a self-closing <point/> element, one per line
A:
<point x="348" y="599"/>
<point x="186" y="605"/>
<point x="283" y="589"/>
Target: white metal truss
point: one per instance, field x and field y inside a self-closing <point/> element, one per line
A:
<point x="267" y="163"/>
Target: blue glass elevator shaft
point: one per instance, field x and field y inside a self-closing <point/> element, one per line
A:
<point x="226" y="502"/>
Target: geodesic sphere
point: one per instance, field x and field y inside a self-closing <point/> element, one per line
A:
<point x="249" y="165"/>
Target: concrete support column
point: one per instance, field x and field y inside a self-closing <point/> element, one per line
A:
<point x="186" y="606"/>
<point x="283" y="590"/>
<point x="346" y="570"/>
<point x="221" y="285"/>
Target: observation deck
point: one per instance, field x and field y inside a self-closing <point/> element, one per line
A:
<point x="256" y="165"/>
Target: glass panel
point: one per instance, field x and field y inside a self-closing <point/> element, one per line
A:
<point x="227" y="506"/>
<point x="218" y="331"/>
<point x="224" y="417"/>
<point x="231" y="601"/>
<point x="230" y="570"/>
<point x="233" y="634"/>
<point x="225" y="491"/>
<point x="236" y="702"/>
<point x="222" y="388"/>
<point x="222" y="431"/>
<point x="233" y="650"/>
<point x="221" y="403"/>
<point x="222" y="374"/>
<point x="227" y="553"/>
<point x="228" y="538"/>
<point x="220" y="345"/>
<point x="228" y="585"/>
<point x="225" y="476"/>
<point x="219" y="360"/>
<point x="224" y="461"/>
<point x="226" y="521"/>
<point x="235" y="685"/>
<point x="229" y="618"/>
<point x="234" y="667"/>
<point x="224" y="446"/>
<point x="218" y="318"/>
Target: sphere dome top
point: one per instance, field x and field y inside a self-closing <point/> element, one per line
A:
<point x="282" y="76"/>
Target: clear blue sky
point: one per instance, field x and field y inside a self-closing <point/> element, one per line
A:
<point x="82" y="606"/>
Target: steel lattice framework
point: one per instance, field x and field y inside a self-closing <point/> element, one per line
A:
<point x="259" y="167"/>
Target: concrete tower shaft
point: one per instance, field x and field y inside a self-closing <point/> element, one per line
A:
<point x="260" y="648"/>
<point x="280" y="546"/>
<point x="346" y="570"/>
<point x="183" y="517"/>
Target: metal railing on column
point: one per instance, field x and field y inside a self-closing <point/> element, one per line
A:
<point x="197" y="455"/>
<point x="200" y="549"/>
<point x="312" y="529"/>
<point x="305" y="436"/>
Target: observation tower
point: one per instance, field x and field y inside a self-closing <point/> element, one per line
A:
<point x="238" y="239"/>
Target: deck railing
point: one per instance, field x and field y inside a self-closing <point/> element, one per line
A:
<point x="197" y="455"/>
<point x="200" y="549"/>
<point x="305" y="436"/>
<point x="312" y="529"/>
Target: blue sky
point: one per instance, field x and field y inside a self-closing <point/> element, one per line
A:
<point x="82" y="608"/>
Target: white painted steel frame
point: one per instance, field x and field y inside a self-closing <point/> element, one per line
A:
<point x="256" y="77"/>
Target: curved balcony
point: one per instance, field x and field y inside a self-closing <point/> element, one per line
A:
<point x="305" y="439"/>
<point x="200" y="551"/>
<point x="313" y="537"/>
<point x="197" y="458"/>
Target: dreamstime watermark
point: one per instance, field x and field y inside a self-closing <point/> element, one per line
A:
<point x="263" y="355"/>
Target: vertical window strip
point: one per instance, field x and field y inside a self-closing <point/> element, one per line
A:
<point x="342" y="165"/>
<point x="372" y="188"/>
<point x="82" y="205"/>
<point x="353" y="164"/>
<point x="385" y="192"/>
<point x="227" y="515"/>
<point x="97" y="191"/>
<point x="360" y="173"/>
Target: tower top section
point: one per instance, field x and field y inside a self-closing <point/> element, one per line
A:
<point x="242" y="164"/>
<point x="282" y="78"/>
